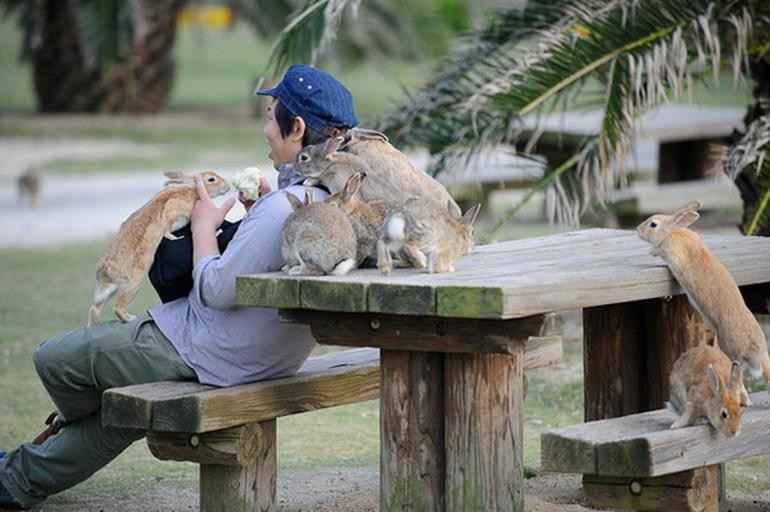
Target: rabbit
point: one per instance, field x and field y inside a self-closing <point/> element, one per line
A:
<point x="365" y="216"/>
<point x="317" y="238"/>
<point x="391" y="176"/>
<point x="129" y="256"/>
<point x="427" y="236"/>
<point x="28" y="186"/>
<point x="704" y="383"/>
<point x="710" y="288"/>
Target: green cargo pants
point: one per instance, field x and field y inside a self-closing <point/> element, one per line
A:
<point x="75" y="367"/>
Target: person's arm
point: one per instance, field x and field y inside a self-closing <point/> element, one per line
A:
<point x="205" y="220"/>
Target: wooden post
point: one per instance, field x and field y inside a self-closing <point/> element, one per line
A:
<point x="237" y="488"/>
<point x="484" y="432"/>
<point x="629" y="350"/>
<point x="411" y="431"/>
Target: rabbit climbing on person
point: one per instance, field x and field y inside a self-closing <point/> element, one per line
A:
<point x="124" y="265"/>
<point x="710" y="288"/>
<point x="317" y="238"/>
<point x="427" y="236"/>
<point x="705" y="385"/>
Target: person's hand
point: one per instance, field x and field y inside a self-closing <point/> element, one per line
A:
<point x="207" y="216"/>
<point x="264" y="186"/>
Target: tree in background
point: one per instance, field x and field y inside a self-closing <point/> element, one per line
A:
<point x="542" y="56"/>
<point x="118" y="55"/>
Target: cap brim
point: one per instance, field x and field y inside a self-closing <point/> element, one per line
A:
<point x="267" y="92"/>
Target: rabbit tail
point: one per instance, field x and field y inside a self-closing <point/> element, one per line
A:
<point x="344" y="266"/>
<point x="101" y="295"/>
<point x="395" y="229"/>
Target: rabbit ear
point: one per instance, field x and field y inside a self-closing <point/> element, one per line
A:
<point x="735" y="373"/>
<point x="175" y="177"/>
<point x="453" y="210"/>
<point x="714" y="382"/>
<point x="352" y="184"/>
<point x="295" y="204"/>
<point x="470" y="216"/>
<point x="308" y="196"/>
<point x="689" y="207"/>
<point x="684" y="219"/>
<point x="333" y="145"/>
<point x="368" y="134"/>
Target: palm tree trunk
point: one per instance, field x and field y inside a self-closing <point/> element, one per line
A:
<point x="140" y="82"/>
<point x="746" y="180"/>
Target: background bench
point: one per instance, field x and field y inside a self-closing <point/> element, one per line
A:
<point x="638" y="462"/>
<point x="231" y="432"/>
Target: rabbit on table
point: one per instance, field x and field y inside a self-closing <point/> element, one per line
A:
<point x="427" y="236"/>
<point x="710" y="288"/>
<point x="129" y="256"/>
<point x="317" y="238"/>
<point x="705" y="384"/>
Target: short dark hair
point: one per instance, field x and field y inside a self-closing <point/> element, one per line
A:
<point x="285" y="120"/>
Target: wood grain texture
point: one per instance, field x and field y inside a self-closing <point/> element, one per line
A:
<point x="402" y="332"/>
<point x="586" y="268"/>
<point x="412" y="431"/>
<point x="484" y="432"/>
<point x="332" y="379"/>
<point x="690" y="491"/>
<point x="242" y="488"/>
<point x="644" y="444"/>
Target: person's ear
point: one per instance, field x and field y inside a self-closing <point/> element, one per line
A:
<point x="298" y="128"/>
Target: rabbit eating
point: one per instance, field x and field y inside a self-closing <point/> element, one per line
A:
<point x="127" y="259"/>
<point x="705" y="384"/>
<point x="710" y="288"/>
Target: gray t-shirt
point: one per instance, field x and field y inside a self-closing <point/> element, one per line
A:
<point x="225" y="344"/>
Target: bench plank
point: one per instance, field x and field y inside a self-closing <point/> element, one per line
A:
<point x="641" y="445"/>
<point x="332" y="379"/>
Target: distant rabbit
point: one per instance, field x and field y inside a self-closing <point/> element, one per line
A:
<point x="317" y="239"/>
<point x="365" y="216"/>
<point x="129" y="256"/>
<point x="705" y="385"/>
<point x="711" y="289"/>
<point x="28" y="186"/>
<point x="427" y="236"/>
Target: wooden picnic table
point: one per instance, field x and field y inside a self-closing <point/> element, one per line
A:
<point x="451" y="409"/>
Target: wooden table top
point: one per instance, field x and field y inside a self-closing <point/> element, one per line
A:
<point x="577" y="269"/>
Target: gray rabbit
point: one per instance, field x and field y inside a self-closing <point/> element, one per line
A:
<point x="317" y="239"/>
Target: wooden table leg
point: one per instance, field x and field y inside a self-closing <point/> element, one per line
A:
<point x="629" y="350"/>
<point x="451" y="431"/>
<point x="484" y="432"/>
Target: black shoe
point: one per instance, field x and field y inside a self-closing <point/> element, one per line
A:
<point x="7" y="502"/>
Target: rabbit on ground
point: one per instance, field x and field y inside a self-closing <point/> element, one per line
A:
<point x="317" y="238"/>
<point x="705" y="386"/>
<point x="427" y="236"/>
<point x="710" y="288"/>
<point x="365" y="216"/>
<point x="28" y="186"/>
<point x="125" y="262"/>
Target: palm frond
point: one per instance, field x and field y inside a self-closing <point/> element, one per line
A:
<point x="752" y="154"/>
<point x="647" y="53"/>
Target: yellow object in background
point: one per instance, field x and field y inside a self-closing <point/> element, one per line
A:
<point x="212" y="16"/>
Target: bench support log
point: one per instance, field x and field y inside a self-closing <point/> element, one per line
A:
<point x="629" y="350"/>
<point x="237" y="465"/>
<point x="695" y="491"/>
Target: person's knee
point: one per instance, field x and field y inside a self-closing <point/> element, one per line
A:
<point x="45" y="359"/>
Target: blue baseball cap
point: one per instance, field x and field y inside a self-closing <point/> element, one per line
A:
<point x="315" y="96"/>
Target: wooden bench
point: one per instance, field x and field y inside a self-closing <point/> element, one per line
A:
<point x="231" y="432"/>
<point x="638" y="462"/>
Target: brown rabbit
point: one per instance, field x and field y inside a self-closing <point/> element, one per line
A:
<point x="427" y="236"/>
<point x="317" y="239"/>
<point x="129" y="256"/>
<point x="365" y="216"/>
<point x="704" y="383"/>
<point x="390" y="175"/>
<point x="28" y="186"/>
<point x="710" y="288"/>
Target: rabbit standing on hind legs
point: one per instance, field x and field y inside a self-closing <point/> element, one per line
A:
<point x="710" y="288"/>
<point x="127" y="259"/>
